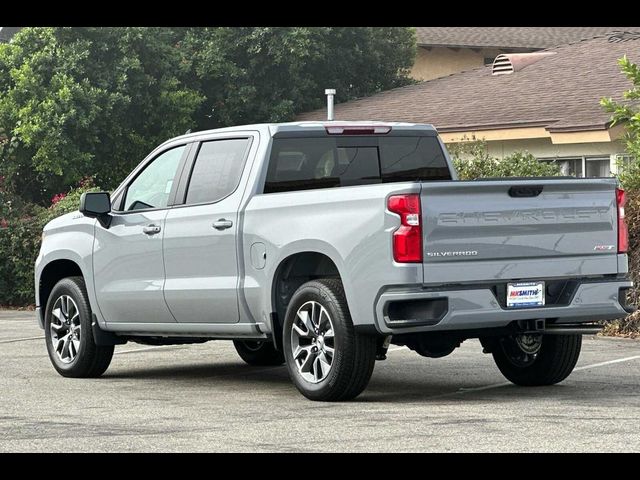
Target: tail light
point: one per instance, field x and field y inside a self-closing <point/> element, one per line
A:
<point x="623" y="231"/>
<point x="407" y="239"/>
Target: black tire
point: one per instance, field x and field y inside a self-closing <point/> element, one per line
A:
<point x="91" y="360"/>
<point x="258" y="353"/>
<point x="354" y="356"/>
<point x="555" y="361"/>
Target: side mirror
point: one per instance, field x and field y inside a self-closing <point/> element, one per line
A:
<point x="96" y="205"/>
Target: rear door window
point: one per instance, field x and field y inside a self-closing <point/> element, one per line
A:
<point x="217" y="170"/>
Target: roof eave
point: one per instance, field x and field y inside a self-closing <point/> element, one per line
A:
<point x="579" y="128"/>
<point x="494" y="126"/>
<point x="498" y="47"/>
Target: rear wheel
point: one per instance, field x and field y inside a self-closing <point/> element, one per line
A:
<point x="326" y="358"/>
<point x="534" y="360"/>
<point x="68" y="332"/>
<point x="258" y="353"/>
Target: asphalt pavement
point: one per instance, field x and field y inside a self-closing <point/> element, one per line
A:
<point x="204" y="398"/>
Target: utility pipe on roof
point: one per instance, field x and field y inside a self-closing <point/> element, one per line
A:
<point x="330" y="92"/>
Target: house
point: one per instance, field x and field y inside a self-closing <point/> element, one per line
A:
<point x="6" y="33"/>
<point x="443" y="51"/>
<point x="545" y="102"/>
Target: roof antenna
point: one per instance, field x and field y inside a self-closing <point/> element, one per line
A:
<point x="330" y="92"/>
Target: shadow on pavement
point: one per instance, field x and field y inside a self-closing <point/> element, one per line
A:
<point x="384" y="388"/>
<point x="189" y="373"/>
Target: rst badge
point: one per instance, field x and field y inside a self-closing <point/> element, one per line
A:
<point x="523" y="295"/>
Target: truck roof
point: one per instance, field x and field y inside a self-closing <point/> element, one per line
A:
<point x="311" y="126"/>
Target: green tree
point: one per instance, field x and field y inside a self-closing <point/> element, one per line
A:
<point x="268" y="74"/>
<point x="78" y="102"/>
<point x="87" y="101"/>
<point x="627" y="112"/>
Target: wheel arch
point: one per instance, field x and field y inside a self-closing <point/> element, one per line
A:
<point x="292" y="271"/>
<point x="52" y="273"/>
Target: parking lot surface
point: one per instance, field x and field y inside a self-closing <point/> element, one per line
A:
<point x="204" y="398"/>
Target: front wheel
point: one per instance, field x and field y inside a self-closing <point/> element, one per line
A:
<point x="326" y="358"/>
<point x="534" y="360"/>
<point x="72" y="349"/>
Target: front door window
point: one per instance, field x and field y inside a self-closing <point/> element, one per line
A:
<point x="151" y="188"/>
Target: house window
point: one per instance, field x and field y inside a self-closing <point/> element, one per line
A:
<point x="598" y="167"/>
<point x="582" y="166"/>
<point x="568" y="166"/>
<point x="623" y="161"/>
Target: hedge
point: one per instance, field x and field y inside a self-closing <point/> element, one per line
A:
<point x="20" y="235"/>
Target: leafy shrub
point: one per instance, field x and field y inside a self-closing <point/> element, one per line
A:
<point x="19" y="241"/>
<point x="514" y="165"/>
<point x="20" y="235"/>
<point x="630" y="326"/>
<point x="472" y="160"/>
<point x="68" y="202"/>
<point x="626" y="111"/>
<point x="629" y="175"/>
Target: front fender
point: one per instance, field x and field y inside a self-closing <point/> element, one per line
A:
<point x="69" y="237"/>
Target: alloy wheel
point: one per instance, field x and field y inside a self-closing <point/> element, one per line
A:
<point x="65" y="329"/>
<point x="313" y="342"/>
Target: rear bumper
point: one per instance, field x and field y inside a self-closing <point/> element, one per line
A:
<point x="472" y="307"/>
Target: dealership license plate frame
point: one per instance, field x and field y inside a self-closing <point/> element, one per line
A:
<point x="526" y="301"/>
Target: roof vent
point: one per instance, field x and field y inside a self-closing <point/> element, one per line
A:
<point x="506" y="64"/>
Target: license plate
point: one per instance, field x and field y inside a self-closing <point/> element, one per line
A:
<point x="523" y="295"/>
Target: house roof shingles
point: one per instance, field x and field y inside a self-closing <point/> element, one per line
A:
<point x="560" y="92"/>
<point x="508" y="37"/>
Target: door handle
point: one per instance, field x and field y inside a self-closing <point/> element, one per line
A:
<point x="151" y="229"/>
<point x="222" y="224"/>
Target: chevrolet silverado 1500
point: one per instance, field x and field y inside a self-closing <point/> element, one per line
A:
<point x="319" y="244"/>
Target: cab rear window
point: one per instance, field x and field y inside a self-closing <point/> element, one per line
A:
<point x="327" y="162"/>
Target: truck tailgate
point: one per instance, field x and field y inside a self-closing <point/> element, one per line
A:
<point x="516" y="229"/>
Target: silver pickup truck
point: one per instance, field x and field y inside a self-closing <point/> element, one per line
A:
<point x="319" y="244"/>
